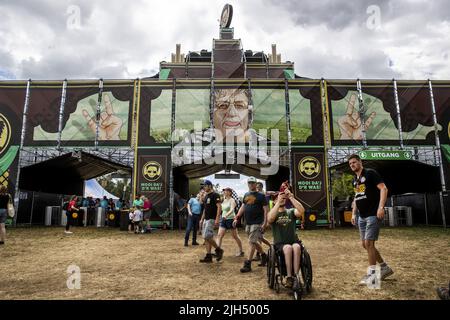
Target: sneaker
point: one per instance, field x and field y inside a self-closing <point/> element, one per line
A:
<point x="219" y="254"/>
<point x="289" y="282"/>
<point x="2" y="242"/>
<point x="185" y="244"/>
<point x="263" y="260"/>
<point x="207" y="258"/>
<point x="195" y="243"/>
<point x="240" y="254"/>
<point x="386" y="272"/>
<point x="364" y="280"/>
<point x="68" y="232"/>
<point x="247" y="266"/>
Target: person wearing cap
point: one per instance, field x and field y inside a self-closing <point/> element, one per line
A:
<point x="255" y="210"/>
<point x="226" y="222"/>
<point x="210" y="218"/>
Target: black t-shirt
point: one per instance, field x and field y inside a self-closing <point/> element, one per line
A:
<point x="212" y="200"/>
<point x="367" y="195"/>
<point x="253" y="207"/>
<point x="4" y="199"/>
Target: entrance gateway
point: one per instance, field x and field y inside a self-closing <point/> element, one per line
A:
<point x="226" y="109"/>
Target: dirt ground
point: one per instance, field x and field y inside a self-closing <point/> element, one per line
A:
<point x="118" y="265"/>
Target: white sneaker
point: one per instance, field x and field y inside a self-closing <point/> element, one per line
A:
<point x="364" y="280"/>
<point x="386" y="272"/>
<point x="68" y="232"/>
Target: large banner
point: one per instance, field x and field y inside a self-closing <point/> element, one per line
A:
<point x="79" y="121"/>
<point x="309" y="181"/>
<point x="12" y="98"/>
<point x="43" y="113"/>
<point x="152" y="174"/>
<point x="379" y="114"/>
<point x="305" y="106"/>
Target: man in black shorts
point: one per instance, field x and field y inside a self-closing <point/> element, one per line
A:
<point x="210" y="219"/>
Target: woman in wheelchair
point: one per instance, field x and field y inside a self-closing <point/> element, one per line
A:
<point x="283" y="222"/>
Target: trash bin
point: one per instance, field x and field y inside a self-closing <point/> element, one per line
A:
<point x="310" y="219"/>
<point x="84" y="210"/>
<point x="63" y="220"/>
<point x="112" y="219"/>
<point x="404" y="215"/>
<point x="100" y="217"/>
<point x="346" y="219"/>
<point x="124" y="218"/>
<point x="51" y="215"/>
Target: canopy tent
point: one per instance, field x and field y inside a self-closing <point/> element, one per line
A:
<point x="402" y="176"/>
<point x="66" y="174"/>
<point x="93" y="189"/>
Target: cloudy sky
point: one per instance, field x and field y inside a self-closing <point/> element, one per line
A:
<point x="405" y="39"/>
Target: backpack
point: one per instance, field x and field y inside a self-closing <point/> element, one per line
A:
<point x="65" y="205"/>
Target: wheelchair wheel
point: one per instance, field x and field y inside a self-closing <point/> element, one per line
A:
<point x="298" y="288"/>
<point x="277" y="285"/>
<point x="307" y="273"/>
<point x="271" y="268"/>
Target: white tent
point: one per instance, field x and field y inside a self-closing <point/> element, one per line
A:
<point x="93" y="189"/>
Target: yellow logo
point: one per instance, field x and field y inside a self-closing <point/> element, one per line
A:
<point x="152" y="171"/>
<point x="309" y="167"/>
<point x="74" y="215"/>
<point x="112" y="217"/>
<point x="360" y="188"/>
<point x="5" y="133"/>
<point x="312" y="217"/>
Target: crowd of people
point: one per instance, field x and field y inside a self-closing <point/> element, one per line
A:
<point x="74" y="204"/>
<point x="209" y="210"/>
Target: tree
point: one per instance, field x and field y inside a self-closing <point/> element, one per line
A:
<point x="342" y="185"/>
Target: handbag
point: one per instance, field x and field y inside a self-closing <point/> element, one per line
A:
<point x="11" y="210"/>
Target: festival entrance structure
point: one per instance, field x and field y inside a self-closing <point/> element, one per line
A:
<point x="235" y="110"/>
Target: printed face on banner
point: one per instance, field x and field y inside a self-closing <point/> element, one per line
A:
<point x="309" y="167"/>
<point x="81" y="126"/>
<point x="379" y="124"/>
<point x="231" y="113"/>
<point x="5" y="133"/>
<point x="152" y="170"/>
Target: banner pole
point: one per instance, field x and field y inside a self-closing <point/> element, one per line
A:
<point x="22" y="140"/>
<point x="327" y="144"/>
<point x="172" y="126"/>
<point x="288" y="129"/>
<point x="399" y="119"/>
<point x="98" y="112"/>
<point x="61" y="114"/>
<point x="438" y="153"/>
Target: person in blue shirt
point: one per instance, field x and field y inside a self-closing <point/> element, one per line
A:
<point x="194" y="208"/>
<point x="104" y="203"/>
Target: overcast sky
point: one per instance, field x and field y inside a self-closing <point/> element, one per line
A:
<point x="405" y="39"/>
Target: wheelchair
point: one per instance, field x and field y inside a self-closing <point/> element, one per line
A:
<point x="276" y="272"/>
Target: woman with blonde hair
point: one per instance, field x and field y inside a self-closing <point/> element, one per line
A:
<point x="5" y="198"/>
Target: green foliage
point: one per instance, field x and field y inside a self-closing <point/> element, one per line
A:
<point x="342" y="185"/>
<point x="115" y="187"/>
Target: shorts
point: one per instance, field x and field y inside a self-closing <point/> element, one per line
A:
<point x="369" y="228"/>
<point x="208" y="229"/>
<point x="254" y="233"/>
<point x="147" y="215"/>
<point x="226" y="224"/>
<point x="3" y="215"/>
